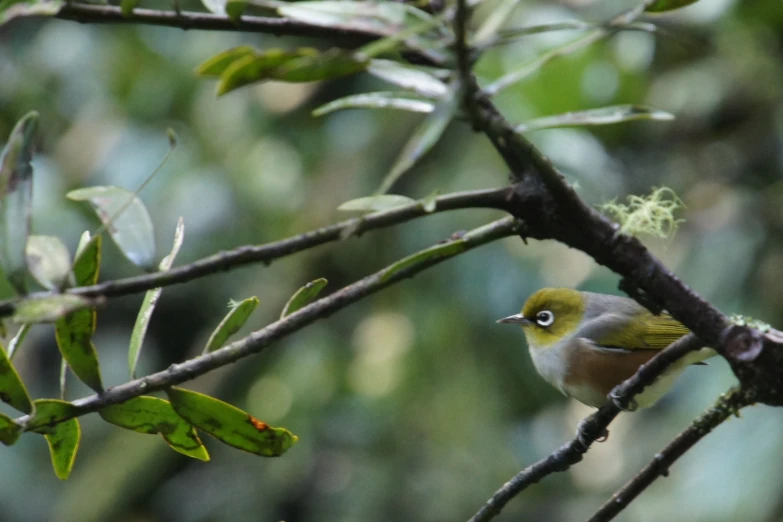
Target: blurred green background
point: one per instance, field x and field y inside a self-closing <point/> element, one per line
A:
<point x="413" y="404"/>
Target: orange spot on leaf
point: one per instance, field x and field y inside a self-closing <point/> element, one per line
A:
<point x="257" y="424"/>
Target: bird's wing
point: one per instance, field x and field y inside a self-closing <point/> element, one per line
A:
<point x="641" y="331"/>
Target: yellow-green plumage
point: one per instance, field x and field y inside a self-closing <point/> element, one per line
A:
<point x="595" y="341"/>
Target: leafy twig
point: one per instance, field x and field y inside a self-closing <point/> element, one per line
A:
<point x="260" y="339"/>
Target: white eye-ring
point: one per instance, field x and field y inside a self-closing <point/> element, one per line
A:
<point x="545" y="318"/>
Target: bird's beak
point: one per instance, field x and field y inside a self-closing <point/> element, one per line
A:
<point x="515" y="319"/>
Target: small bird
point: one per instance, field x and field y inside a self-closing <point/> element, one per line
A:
<point x="585" y="344"/>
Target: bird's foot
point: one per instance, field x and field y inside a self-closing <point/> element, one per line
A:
<point x="586" y="433"/>
<point x="624" y="404"/>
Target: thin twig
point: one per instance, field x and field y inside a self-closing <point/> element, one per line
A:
<point x="223" y="261"/>
<point x="729" y="404"/>
<point x="591" y="428"/>
<point x="347" y="35"/>
<point x="260" y="339"/>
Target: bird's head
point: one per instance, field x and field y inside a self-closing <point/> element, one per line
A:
<point x="549" y="316"/>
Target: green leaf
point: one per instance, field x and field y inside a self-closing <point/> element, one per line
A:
<point x="10" y="9"/>
<point x="9" y="430"/>
<point x="87" y="265"/>
<point x="659" y="6"/>
<point x="48" y="260"/>
<point x="408" y="77"/>
<point x="421" y="141"/>
<point x="48" y="309"/>
<point x="375" y="203"/>
<point x="50" y="411"/>
<point x="602" y="116"/>
<point x="152" y="415"/>
<point x="333" y="63"/>
<point x="149" y="302"/>
<point x="63" y="440"/>
<point x="12" y="390"/>
<point x="16" y="185"/>
<point x="127" y="7"/>
<point x="256" y="67"/>
<point x="126" y="218"/>
<point x="235" y="9"/>
<point x="231" y="323"/>
<point x="366" y="16"/>
<point x="449" y="249"/>
<point x="217" y="65"/>
<point x="229" y="424"/>
<point x="499" y="15"/>
<point x="532" y="66"/>
<point x="403" y="101"/>
<point x="303" y="296"/>
<point x="74" y="331"/>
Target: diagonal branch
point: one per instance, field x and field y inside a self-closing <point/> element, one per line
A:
<point x="260" y="339"/>
<point x="223" y="261"/>
<point x="729" y="404"/>
<point x="591" y="428"/>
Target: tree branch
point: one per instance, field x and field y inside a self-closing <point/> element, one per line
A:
<point x="349" y="36"/>
<point x="223" y="261"/>
<point x="260" y="339"/>
<point x="729" y="404"/>
<point x="590" y="429"/>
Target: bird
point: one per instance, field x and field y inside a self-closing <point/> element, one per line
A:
<point x="585" y="343"/>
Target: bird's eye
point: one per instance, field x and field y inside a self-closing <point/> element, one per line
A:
<point x="545" y="318"/>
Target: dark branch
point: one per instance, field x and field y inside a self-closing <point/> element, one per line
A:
<point x="223" y="261"/>
<point x="345" y="34"/>
<point x="260" y="339"/>
<point x="591" y="429"/>
<point x="729" y="404"/>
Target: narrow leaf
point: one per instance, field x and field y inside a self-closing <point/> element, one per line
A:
<point x="231" y="324"/>
<point x="12" y="390"/>
<point x="256" y="67"/>
<point x="374" y="203"/>
<point x="11" y="9"/>
<point x="16" y="185"/>
<point x="408" y="77"/>
<point x="659" y="6"/>
<point x="235" y="9"/>
<point x="126" y="218"/>
<point x="403" y="101"/>
<point x="152" y="415"/>
<point x="9" y="430"/>
<point x="218" y="64"/>
<point x="74" y="331"/>
<point x="497" y="17"/>
<point x="16" y="342"/>
<point x="532" y="66"/>
<point x="367" y="16"/>
<point x="48" y="261"/>
<point x="303" y="296"/>
<point x="229" y="424"/>
<point x="127" y="7"/>
<point x="437" y="252"/>
<point x="50" y="411"/>
<point x="333" y="63"/>
<point x="48" y="309"/>
<point x="63" y="440"/>
<point x="602" y="116"/>
<point x="149" y="302"/>
<point x="422" y="140"/>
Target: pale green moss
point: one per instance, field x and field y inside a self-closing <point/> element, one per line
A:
<point x="652" y="214"/>
<point x="745" y="320"/>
